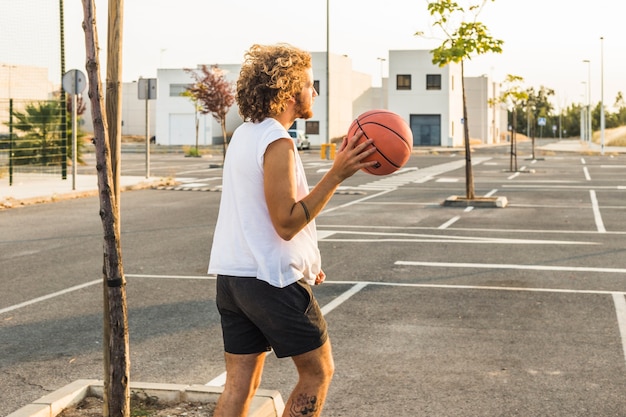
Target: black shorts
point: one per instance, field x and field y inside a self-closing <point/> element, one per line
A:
<point x="257" y="317"/>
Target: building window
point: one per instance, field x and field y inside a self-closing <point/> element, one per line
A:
<point x="177" y="90"/>
<point x="433" y="81"/>
<point x="316" y="85"/>
<point x="403" y="81"/>
<point x="312" y="127"/>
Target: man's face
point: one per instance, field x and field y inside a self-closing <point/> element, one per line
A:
<point x="304" y="100"/>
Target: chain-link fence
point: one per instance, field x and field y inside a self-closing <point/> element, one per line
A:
<point x="33" y="113"/>
<point x="36" y="137"/>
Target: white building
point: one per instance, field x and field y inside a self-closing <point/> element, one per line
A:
<point x="487" y="117"/>
<point x="23" y="84"/>
<point x="133" y="112"/>
<point x="429" y="97"/>
<point x="349" y="90"/>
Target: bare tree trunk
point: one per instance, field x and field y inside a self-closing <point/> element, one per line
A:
<point x="223" y="124"/>
<point x="114" y="88"/>
<point x="197" y="127"/>
<point x="513" y="164"/>
<point x="469" y="174"/>
<point x="117" y="401"/>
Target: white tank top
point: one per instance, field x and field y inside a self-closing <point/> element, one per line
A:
<point x="245" y="243"/>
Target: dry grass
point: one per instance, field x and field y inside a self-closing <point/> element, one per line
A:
<point x="612" y="137"/>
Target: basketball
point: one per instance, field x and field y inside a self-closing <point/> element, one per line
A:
<point x="392" y="137"/>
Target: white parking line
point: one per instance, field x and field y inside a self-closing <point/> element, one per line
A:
<point x="379" y="237"/>
<point x="620" y="310"/>
<point x="596" y="212"/>
<point x="47" y="297"/>
<point x="618" y="297"/>
<point x="449" y="222"/>
<point x="510" y="177"/>
<point x="513" y="266"/>
<point x="343" y="297"/>
<point x="492" y="192"/>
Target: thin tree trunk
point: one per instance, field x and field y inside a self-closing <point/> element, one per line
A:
<point x="469" y="174"/>
<point x="223" y="124"/>
<point x="117" y="401"/>
<point x="513" y="163"/>
<point x="197" y="128"/>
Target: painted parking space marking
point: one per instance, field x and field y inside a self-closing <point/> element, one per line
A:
<point x="377" y="237"/>
<point x="597" y="216"/>
<point x="513" y="266"/>
<point x="449" y="222"/>
<point x="49" y="296"/>
<point x="620" y="311"/>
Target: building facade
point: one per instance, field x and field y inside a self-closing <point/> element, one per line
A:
<point x="428" y="97"/>
<point x="486" y="114"/>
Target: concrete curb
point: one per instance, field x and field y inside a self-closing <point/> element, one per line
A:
<point x="266" y="403"/>
<point x="478" y="202"/>
<point x="8" y="202"/>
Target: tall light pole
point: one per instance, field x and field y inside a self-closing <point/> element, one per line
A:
<point x="327" y="71"/>
<point x="585" y="134"/>
<point x="10" y="69"/>
<point x="589" y="128"/>
<point x="602" y="95"/>
<point x="381" y="60"/>
<point x="382" y="90"/>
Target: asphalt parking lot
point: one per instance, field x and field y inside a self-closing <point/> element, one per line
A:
<point x="433" y="310"/>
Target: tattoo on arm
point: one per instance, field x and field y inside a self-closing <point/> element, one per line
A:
<point x="304" y="405"/>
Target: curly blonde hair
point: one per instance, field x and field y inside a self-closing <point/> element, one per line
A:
<point x="270" y="75"/>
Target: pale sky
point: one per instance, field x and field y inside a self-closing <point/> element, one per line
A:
<point x="545" y="41"/>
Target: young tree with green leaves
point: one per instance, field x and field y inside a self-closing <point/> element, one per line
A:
<point x="40" y="124"/>
<point x="512" y="95"/>
<point x="213" y="94"/>
<point x="469" y="38"/>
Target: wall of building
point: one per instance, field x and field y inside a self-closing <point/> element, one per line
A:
<point x="446" y="102"/>
<point x="24" y="84"/>
<point x="487" y="116"/>
<point x="176" y="115"/>
<point x="172" y="117"/>
<point x="478" y="94"/>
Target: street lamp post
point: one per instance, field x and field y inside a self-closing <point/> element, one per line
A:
<point x="589" y="126"/>
<point x="382" y="90"/>
<point x="602" y="95"/>
<point x="327" y="71"/>
<point x="585" y="116"/>
<point x="10" y="78"/>
<point x="381" y="60"/>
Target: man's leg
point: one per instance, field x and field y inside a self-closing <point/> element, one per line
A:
<point x="243" y="376"/>
<point x="315" y="370"/>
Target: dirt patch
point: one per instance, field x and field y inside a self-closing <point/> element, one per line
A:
<point x="142" y="407"/>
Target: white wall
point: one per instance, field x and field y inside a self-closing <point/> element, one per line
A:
<point x="447" y="102"/>
<point x="134" y="112"/>
<point x="487" y="117"/>
<point x="175" y="114"/>
<point x="477" y="94"/>
<point x="351" y="93"/>
<point x="24" y="84"/>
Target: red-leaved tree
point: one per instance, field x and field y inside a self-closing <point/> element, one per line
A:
<point x="212" y="94"/>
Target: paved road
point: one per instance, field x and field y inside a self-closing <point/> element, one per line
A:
<point x="433" y="311"/>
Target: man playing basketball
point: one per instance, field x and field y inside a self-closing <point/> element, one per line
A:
<point x="264" y="249"/>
